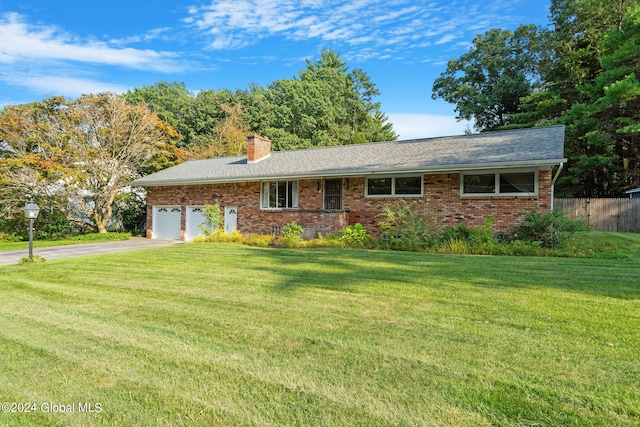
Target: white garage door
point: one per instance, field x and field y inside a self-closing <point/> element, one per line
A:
<point x="166" y="222"/>
<point x="195" y="217"/>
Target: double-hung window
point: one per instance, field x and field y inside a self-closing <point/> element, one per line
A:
<point x="394" y="186"/>
<point x="500" y="183"/>
<point x="279" y="194"/>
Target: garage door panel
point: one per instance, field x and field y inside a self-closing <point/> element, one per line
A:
<point x="166" y="222"/>
<point x="195" y="217"/>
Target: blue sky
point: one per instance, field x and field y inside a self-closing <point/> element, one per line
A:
<point x="70" y="47"/>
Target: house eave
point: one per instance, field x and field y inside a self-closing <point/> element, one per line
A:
<point x="540" y="164"/>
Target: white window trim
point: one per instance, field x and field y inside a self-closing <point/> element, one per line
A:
<point x="497" y="192"/>
<point x="393" y="186"/>
<point x="297" y="194"/>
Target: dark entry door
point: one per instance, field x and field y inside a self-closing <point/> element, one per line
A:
<point x="333" y="194"/>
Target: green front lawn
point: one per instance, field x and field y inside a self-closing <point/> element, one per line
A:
<point x="224" y="334"/>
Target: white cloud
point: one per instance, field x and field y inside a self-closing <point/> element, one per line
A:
<point x="403" y="24"/>
<point x="20" y="42"/>
<point x="415" y="126"/>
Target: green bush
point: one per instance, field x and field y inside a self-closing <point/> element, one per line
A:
<point x="259" y="240"/>
<point x="409" y="226"/>
<point x="220" y="236"/>
<point x="547" y="228"/>
<point x="9" y="237"/>
<point x="355" y="235"/>
<point x="130" y="213"/>
<point x="292" y="231"/>
<point x="213" y="220"/>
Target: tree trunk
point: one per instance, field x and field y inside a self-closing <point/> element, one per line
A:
<point x="102" y="212"/>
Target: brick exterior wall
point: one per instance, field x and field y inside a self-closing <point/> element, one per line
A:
<point x="442" y="191"/>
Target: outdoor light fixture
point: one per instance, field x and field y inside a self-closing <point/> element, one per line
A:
<point x="31" y="211"/>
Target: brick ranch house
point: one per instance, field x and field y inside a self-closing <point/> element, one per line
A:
<point x="464" y="179"/>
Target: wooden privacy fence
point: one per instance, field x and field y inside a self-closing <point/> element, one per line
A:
<point x="603" y="214"/>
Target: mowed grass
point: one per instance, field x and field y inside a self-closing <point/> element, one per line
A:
<point x="223" y="334"/>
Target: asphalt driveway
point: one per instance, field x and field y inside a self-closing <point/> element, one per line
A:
<point x="56" y="252"/>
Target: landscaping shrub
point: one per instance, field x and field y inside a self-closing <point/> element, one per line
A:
<point x="547" y="228"/>
<point x="409" y="226"/>
<point x="259" y="240"/>
<point x="291" y="235"/>
<point x="220" y="236"/>
<point x="130" y="213"/>
<point x="463" y="239"/>
<point x="292" y="230"/>
<point x="213" y="220"/>
<point x="9" y="237"/>
<point x="355" y="235"/>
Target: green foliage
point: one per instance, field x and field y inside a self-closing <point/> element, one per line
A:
<point x="258" y="240"/>
<point x="100" y="237"/>
<point x="292" y="231"/>
<point x="468" y="240"/>
<point x="547" y="228"/>
<point x="36" y="259"/>
<point x="218" y="235"/>
<point x="9" y="237"/>
<point x="409" y="225"/>
<point x="487" y="82"/>
<point x="355" y="235"/>
<point x="130" y="213"/>
<point x="213" y="220"/>
<point x="581" y="72"/>
<point x="324" y="105"/>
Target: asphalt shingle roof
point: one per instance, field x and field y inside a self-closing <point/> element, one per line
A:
<point x="490" y="150"/>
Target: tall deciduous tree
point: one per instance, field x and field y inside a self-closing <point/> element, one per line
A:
<point x="487" y="82"/>
<point x="84" y="151"/>
<point x="113" y="139"/>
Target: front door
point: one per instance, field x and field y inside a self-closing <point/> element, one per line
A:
<point x="333" y="194"/>
<point x="230" y="218"/>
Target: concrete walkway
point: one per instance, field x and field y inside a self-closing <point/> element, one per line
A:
<point x="68" y="251"/>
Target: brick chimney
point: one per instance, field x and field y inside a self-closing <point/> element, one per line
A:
<point x="258" y="148"/>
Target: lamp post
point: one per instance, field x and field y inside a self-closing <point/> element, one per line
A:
<point x="31" y="211"/>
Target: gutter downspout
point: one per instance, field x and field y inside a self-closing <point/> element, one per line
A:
<point x="553" y="182"/>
